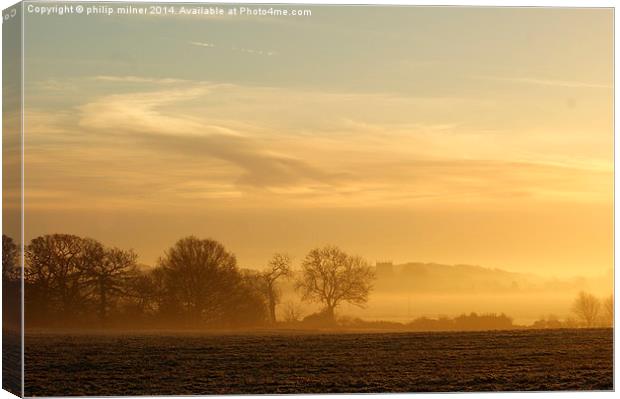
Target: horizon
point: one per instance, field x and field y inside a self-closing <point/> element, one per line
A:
<point x="373" y="262"/>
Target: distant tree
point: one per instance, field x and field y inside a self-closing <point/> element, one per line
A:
<point x="331" y="277"/>
<point x="571" y="322"/>
<point x="587" y="308"/>
<point x="551" y="321"/>
<point x="292" y="312"/>
<point x="279" y="266"/>
<point x="319" y="319"/>
<point x="608" y="311"/>
<point x="489" y="321"/>
<point x="443" y="323"/>
<point x="108" y="277"/>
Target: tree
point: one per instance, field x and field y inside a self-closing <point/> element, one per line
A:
<point x="202" y="278"/>
<point x="107" y="277"/>
<point x="551" y="321"/>
<point x="10" y="259"/>
<point x="330" y="276"/>
<point x="244" y="306"/>
<point x="56" y="265"/>
<point x="608" y="311"/>
<point x="278" y="266"/>
<point x="144" y="291"/>
<point x="587" y="308"/>
<point x="292" y="312"/>
<point x="11" y="284"/>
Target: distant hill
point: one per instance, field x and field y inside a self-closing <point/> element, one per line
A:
<point x="434" y="277"/>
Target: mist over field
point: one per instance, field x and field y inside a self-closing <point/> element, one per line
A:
<point x="75" y="282"/>
<point x="408" y="291"/>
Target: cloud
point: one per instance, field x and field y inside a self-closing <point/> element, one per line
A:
<point x="264" y="146"/>
<point x="138" y="79"/>
<point x="55" y="85"/>
<point x="202" y="44"/>
<point x="252" y="51"/>
<point x="258" y="167"/>
<point x="547" y="82"/>
<point x="239" y="49"/>
<point x="139" y="112"/>
<point x="142" y="116"/>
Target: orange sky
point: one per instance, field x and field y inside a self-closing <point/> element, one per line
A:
<point x="467" y="135"/>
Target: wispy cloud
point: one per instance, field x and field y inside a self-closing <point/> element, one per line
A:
<point x="202" y="44"/>
<point x="234" y="48"/>
<point x="141" y="115"/>
<point x="253" y="51"/>
<point x="547" y="82"/>
<point x="138" y="79"/>
<point x="258" y="167"/>
<point x="138" y="112"/>
<point x="266" y="146"/>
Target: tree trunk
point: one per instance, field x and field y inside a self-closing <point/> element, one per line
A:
<point x="102" y="302"/>
<point x="272" y="309"/>
<point x="329" y="313"/>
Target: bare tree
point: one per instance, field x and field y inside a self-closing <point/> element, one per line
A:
<point x="279" y="266"/>
<point x="145" y="290"/>
<point x="608" y="311"/>
<point x="587" y="308"/>
<point x="330" y="276"/>
<point x="11" y="284"/>
<point x="10" y="259"/>
<point x="292" y="312"/>
<point x="108" y="277"/>
<point x="55" y="268"/>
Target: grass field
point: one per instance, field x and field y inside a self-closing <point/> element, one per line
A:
<point x="181" y="364"/>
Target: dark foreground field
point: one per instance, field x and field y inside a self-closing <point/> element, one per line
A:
<point x="182" y="364"/>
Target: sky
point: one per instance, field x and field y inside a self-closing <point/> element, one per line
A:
<point x="454" y="135"/>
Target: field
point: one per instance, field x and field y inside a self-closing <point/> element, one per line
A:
<point x="269" y="362"/>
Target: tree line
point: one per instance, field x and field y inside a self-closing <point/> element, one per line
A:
<point x="463" y="322"/>
<point x="587" y="311"/>
<point x="72" y="281"/>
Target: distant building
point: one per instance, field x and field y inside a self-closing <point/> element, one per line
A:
<point x="384" y="269"/>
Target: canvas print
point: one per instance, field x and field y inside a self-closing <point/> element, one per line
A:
<point x="212" y="198"/>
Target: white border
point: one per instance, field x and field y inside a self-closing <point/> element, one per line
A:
<point x="491" y="3"/>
